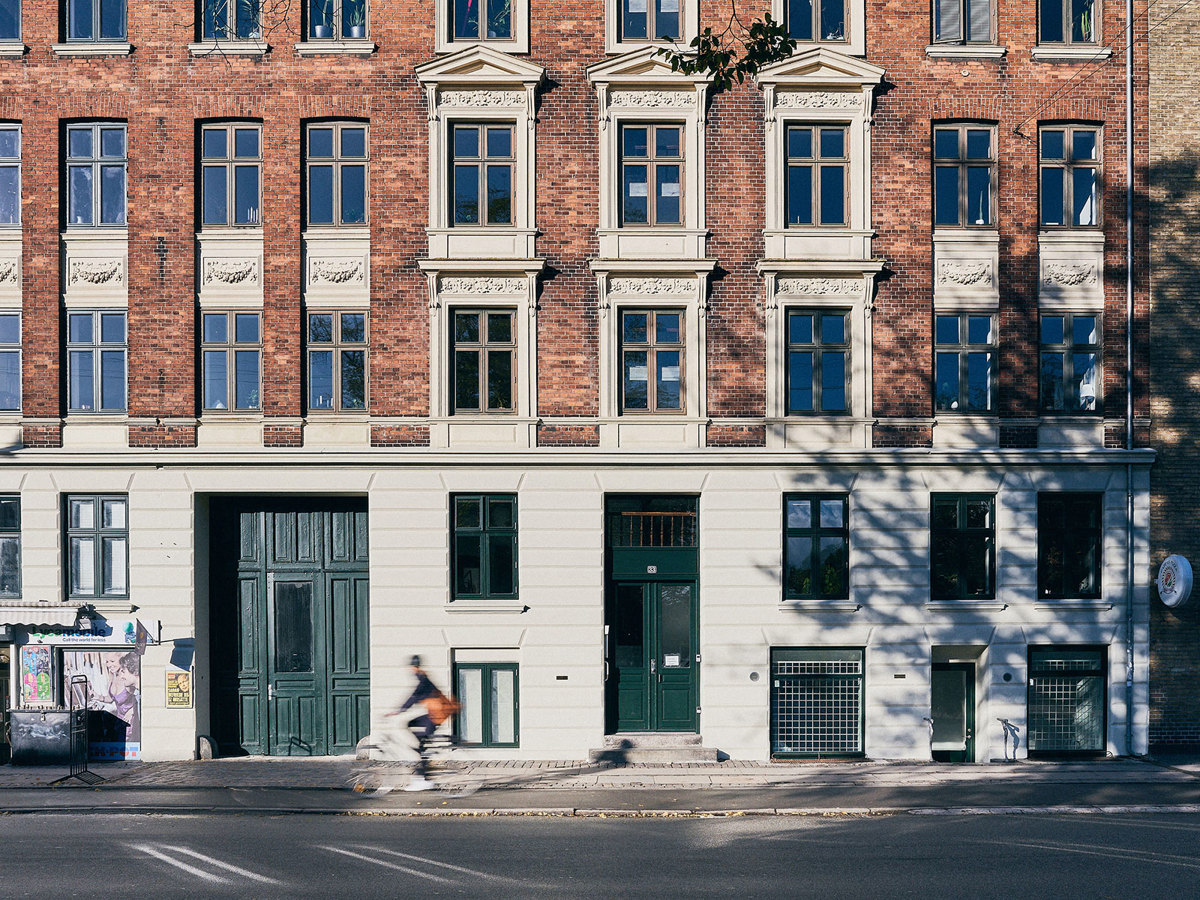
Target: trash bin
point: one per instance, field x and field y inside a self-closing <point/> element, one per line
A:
<point x="41" y="737"/>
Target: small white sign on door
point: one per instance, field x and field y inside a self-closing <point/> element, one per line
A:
<point x="672" y="661"/>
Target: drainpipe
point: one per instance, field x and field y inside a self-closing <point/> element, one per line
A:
<point x="1129" y="239"/>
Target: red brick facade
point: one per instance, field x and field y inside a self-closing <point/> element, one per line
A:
<point x="162" y="92"/>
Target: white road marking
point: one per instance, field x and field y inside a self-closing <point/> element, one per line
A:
<point x="389" y="865"/>
<point x="228" y="867"/>
<point x="445" y="865"/>
<point x="192" y="870"/>
<point x="1122" y="853"/>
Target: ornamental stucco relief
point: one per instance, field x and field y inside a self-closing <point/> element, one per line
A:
<point x="96" y="271"/>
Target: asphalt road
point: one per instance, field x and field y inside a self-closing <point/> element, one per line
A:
<point x="347" y="856"/>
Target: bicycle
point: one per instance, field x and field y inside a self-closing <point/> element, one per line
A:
<point x="446" y="779"/>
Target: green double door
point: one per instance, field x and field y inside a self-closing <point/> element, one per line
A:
<point x="652" y="662"/>
<point x="290" y="609"/>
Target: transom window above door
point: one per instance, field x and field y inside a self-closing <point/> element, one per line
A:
<point x="651" y="174"/>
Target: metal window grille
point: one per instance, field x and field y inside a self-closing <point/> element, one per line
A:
<point x="817" y="702"/>
<point x="655" y="529"/>
<point x="1066" y="701"/>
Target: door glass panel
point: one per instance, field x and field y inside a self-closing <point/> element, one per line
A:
<point x="293" y="626"/>
<point x="630" y="627"/>
<point x="676" y="626"/>
<point x="470" y="695"/>
<point x="504" y="704"/>
<point x="949" y="710"/>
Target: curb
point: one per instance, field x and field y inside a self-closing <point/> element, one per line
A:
<point x="586" y="813"/>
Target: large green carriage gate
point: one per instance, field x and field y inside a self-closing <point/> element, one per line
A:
<point x="289" y="608"/>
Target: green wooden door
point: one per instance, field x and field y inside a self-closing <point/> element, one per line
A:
<point x="651" y="666"/>
<point x="952" y="704"/>
<point x="290" y="605"/>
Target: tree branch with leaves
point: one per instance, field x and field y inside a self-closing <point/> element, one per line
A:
<point x="737" y="51"/>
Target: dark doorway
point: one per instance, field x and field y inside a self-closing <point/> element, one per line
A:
<point x="952" y="701"/>
<point x="290" y="645"/>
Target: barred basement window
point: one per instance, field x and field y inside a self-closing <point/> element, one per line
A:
<point x="816" y="702"/>
<point x="489" y="695"/>
<point x="97" y="546"/>
<point x="816" y="547"/>
<point x="10" y="547"/>
<point x="1067" y="701"/>
<point x="484" y="546"/>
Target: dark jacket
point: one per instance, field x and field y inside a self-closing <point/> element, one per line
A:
<point x="422" y="692"/>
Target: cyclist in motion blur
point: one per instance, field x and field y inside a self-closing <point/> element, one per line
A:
<point x="438" y="707"/>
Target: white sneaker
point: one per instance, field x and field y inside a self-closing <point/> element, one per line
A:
<point x="419" y="784"/>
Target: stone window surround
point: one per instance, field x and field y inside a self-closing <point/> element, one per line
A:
<point x="819" y="86"/>
<point x="481" y="84"/>
<point x="689" y="21"/>
<point x="519" y="43"/>
<point x="486" y="284"/>
<point x="855" y="43"/>
<point x="627" y="93"/>
<point x="816" y="287"/>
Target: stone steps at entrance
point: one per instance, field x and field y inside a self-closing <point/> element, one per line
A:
<point x="653" y="747"/>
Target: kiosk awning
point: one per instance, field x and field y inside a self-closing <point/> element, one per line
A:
<point x="34" y="616"/>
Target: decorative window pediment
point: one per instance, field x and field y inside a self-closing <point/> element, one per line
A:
<point x="821" y="67"/>
<point x="481" y="90"/>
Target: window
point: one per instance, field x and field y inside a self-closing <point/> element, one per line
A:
<point x="334" y="19"/>
<point x="816" y="20"/>
<point x="489" y="696"/>
<point x="651" y="155"/>
<point x="1067" y="702"/>
<point x="95" y="175"/>
<point x="10" y="175"/>
<point x="97" y="547"/>
<point x="964" y="348"/>
<point x="816" y="702"/>
<point x="483" y="174"/>
<point x="962" y="547"/>
<point x="962" y="21"/>
<point x="484" y="346"/>
<point x="337" y="362"/>
<point x="10" y="362"/>
<point x="1067" y="22"/>
<point x="231" y="20"/>
<point x="232" y="163"/>
<point x="651" y="342"/>
<point x="1070" y="371"/>
<point x="10" y="20"/>
<point x="95" y="20"/>
<point x="484" y="546"/>
<point x="337" y="174"/>
<point x="476" y="20"/>
<point x="1069" y="545"/>
<point x="96" y="366"/>
<point x="964" y="172"/>
<point x="10" y="546"/>
<point x="816" y="554"/>
<point x="816" y="175"/>
<point x="818" y="347"/>
<point x="1069" y="167"/>
<point x="231" y="351"/>
<point x="650" y="20"/>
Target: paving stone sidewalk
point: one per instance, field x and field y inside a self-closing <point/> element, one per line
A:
<point x="573" y="775"/>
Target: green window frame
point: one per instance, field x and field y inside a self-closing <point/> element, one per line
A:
<point x="1070" y="545"/>
<point x="484" y="546"/>
<point x="97" y="546"/>
<point x="816" y="547"/>
<point x="962" y="547"/>
<point x="491" y="701"/>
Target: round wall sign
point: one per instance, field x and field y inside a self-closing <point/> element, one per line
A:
<point x="1174" y="581"/>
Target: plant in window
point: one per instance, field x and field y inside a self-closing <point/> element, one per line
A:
<point x="322" y="18"/>
<point x="356" y="21"/>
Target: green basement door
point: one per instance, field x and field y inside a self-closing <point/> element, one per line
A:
<point x="290" y="606"/>
<point x="651" y="616"/>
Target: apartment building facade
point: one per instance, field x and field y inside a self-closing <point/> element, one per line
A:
<point x="788" y="419"/>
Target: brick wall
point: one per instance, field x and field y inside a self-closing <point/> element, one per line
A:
<point x="1175" y="362"/>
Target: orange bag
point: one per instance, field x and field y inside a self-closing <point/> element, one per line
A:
<point x="440" y="707"/>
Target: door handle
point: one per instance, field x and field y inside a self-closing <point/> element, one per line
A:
<point x="270" y="691"/>
<point x="653" y="668"/>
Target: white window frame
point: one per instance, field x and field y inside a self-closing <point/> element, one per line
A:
<point x="447" y="43"/>
<point x="689" y="23"/>
<point x="855" y="43"/>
